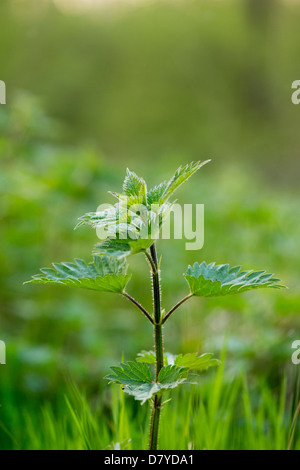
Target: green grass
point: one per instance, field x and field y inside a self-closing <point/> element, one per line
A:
<point x="216" y="414"/>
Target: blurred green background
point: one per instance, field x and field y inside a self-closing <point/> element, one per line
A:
<point x="148" y="85"/>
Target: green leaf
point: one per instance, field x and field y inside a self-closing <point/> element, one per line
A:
<point x="137" y="381"/>
<point x="105" y="274"/>
<point x="155" y="194"/>
<point x="134" y="185"/>
<point x="170" y="375"/>
<point x="210" y="280"/>
<point x="194" y="362"/>
<point x="122" y="248"/>
<point x="113" y="247"/>
<point x="132" y="373"/>
<point x="182" y="174"/>
<point x="147" y="357"/>
<point x="100" y="218"/>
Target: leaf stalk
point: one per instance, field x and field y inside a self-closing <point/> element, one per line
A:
<point x="135" y="302"/>
<point x="187" y="297"/>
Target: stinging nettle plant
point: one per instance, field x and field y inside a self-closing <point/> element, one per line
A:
<point x="122" y="227"/>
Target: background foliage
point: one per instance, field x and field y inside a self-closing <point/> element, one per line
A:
<point x="150" y="87"/>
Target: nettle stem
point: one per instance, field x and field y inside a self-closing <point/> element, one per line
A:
<point x="159" y="352"/>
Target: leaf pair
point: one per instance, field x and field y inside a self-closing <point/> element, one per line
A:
<point x="136" y="379"/>
<point x="136" y="376"/>
<point x="109" y="274"/>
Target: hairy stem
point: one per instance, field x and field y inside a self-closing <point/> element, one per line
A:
<point x="187" y="297"/>
<point x="158" y="337"/>
<point x="154" y="423"/>
<point x="135" y="302"/>
<point x="152" y="265"/>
